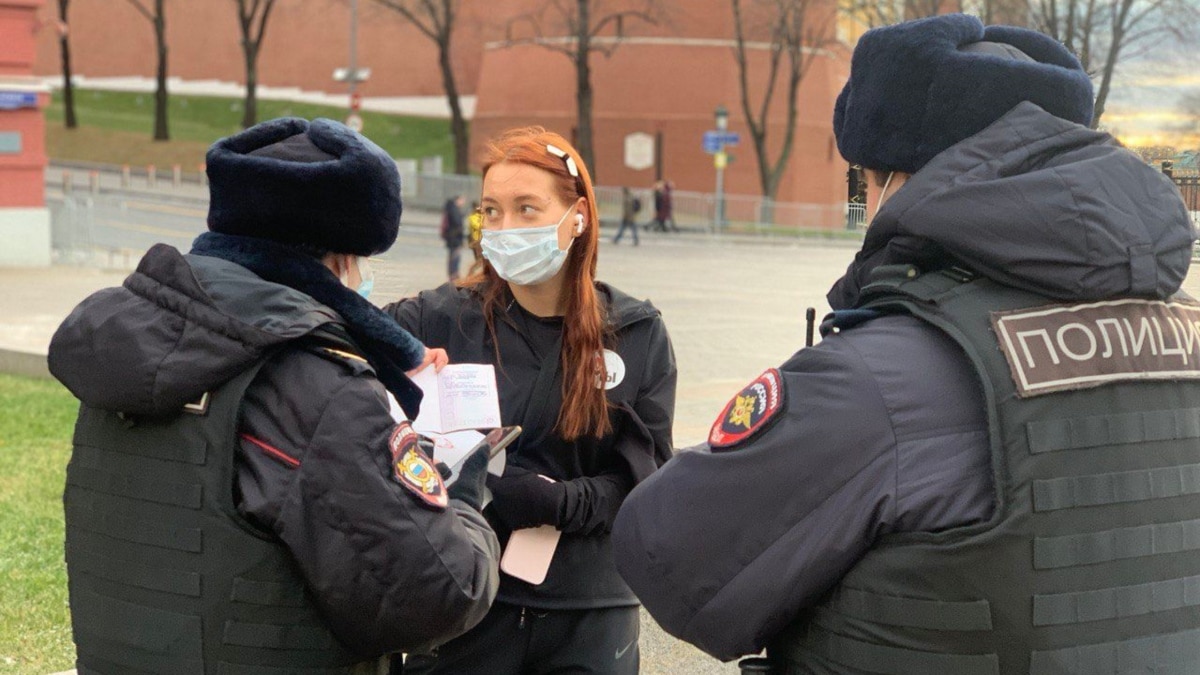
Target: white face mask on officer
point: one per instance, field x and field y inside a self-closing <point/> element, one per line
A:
<point x="365" y="274"/>
<point x="527" y="255"/>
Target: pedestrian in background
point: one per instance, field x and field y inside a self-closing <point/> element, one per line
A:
<point x="668" y="211"/>
<point x="239" y="493"/>
<point x="630" y="205"/>
<point x="663" y="208"/>
<point x="984" y="466"/>
<point x="474" y="234"/>
<point x="589" y="374"/>
<point x="453" y="234"/>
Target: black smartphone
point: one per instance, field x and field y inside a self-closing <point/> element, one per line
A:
<point x="498" y="439"/>
<point x="495" y="440"/>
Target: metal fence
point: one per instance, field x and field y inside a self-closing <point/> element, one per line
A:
<point x="426" y="188"/>
<point x="691" y="210"/>
<point x="1189" y="188"/>
<point x="113" y="229"/>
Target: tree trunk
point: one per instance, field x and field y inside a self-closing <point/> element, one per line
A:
<point x="250" y="106"/>
<point x="458" y="125"/>
<point x="583" y="87"/>
<point x="161" y="132"/>
<point x="1110" y="61"/>
<point x="68" y="86"/>
<point x="1106" y="76"/>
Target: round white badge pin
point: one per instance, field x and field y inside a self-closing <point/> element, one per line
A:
<point x="614" y="366"/>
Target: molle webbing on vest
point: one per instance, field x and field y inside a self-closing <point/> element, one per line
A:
<point x="1115" y="603"/>
<point x="163" y="574"/>
<point x="1098" y="430"/>
<point x="1091" y="562"/>
<point x="1173" y="654"/>
<point x="1116" y="544"/>
<point x="874" y="658"/>
<point x="1115" y="488"/>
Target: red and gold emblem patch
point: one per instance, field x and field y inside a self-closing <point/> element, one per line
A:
<point x="414" y="470"/>
<point x="749" y="412"/>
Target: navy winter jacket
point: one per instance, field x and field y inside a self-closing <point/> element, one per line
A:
<point x="881" y="427"/>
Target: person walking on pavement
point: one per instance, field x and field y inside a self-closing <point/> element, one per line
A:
<point x="668" y="206"/>
<point x="474" y="234"/>
<point x="630" y="205"/>
<point x="982" y="467"/>
<point x="453" y="234"/>
<point x="241" y="497"/>
<point x="663" y="216"/>
<point x="589" y="374"/>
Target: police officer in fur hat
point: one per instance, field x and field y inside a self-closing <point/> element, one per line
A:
<point x="990" y="463"/>
<point x="240" y="498"/>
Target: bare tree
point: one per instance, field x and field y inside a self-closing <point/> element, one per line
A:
<point x="64" y="44"/>
<point x="435" y="19"/>
<point x="796" y="31"/>
<point x="1103" y="32"/>
<point x="576" y="28"/>
<point x="1189" y="105"/>
<point x="252" y="20"/>
<point x="875" y="13"/>
<point x="158" y="20"/>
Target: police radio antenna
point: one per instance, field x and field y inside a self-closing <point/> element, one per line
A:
<point x="810" y="317"/>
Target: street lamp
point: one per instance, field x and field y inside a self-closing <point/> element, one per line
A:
<point x="721" y="116"/>
<point x="352" y="75"/>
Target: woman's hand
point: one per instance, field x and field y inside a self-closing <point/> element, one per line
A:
<point x="433" y="355"/>
<point x="522" y="498"/>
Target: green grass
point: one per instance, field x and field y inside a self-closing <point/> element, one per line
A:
<point x="35" y="437"/>
<point x="203" y="119"/>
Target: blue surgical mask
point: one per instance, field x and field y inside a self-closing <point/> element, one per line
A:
<point x="367" y="275"/>
<point x="527" y="255"/>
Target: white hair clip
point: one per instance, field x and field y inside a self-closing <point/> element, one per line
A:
<point x="562" y="154"/>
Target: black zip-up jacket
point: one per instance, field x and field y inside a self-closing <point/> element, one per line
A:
<point x="388" y="572"/>
<point x="597" y="473"/>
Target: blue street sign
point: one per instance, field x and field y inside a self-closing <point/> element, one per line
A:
<point x="11" y="100"/>
<point x="715" y="140"/>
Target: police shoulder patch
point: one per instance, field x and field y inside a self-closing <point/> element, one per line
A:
<point x="751" y="411"/>
<point x="414" y="470"/>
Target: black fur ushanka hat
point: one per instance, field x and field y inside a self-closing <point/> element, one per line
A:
<point x="919" y="87"/>
<point x="317" y="184"/>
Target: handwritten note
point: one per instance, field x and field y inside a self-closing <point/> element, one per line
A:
<point x="462" y="396"/>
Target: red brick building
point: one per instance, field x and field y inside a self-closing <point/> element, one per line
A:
<point x="24" y="220"/>
<point x="664" y="79"/>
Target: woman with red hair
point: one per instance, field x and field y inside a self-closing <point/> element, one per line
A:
<point x="589" y="374"/>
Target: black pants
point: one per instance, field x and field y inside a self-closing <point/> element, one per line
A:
<point x="515" y="640"/>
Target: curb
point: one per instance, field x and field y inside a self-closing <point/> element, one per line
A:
<point x="24" y="364"/>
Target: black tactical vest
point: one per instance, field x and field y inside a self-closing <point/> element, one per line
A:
<point x="1091" y="562"/>
<point x="164" y="575"/>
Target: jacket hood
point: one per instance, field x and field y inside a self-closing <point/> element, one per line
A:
<point x="177" y="327"/>
<point x="1037" y="203"/>
<point x="624" y="309"/>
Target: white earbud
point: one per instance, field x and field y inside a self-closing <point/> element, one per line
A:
<point x="578" y="223"/>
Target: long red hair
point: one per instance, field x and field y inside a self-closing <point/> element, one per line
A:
<point x="585" y="407"/>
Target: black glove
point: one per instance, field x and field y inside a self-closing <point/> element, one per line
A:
<point x="428" y="446"/>
<point x="470" y="486"/>
<point x="521" y="498"/>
